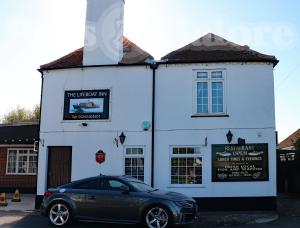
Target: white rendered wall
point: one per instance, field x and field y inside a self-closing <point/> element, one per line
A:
<point x="131" y="101"/>
<point x="249" y="94"/>
<point x="249" y="104"/>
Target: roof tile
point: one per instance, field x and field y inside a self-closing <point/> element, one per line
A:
<point x="213" y="48"/>
<point x="289" y="141"/>
<point x="132" y="55"/>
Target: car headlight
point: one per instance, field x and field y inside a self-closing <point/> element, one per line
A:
<point x="185" y="204"/>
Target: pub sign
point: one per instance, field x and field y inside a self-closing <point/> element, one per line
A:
<point x="86" y="105"/>
<point x="240" y="163"/>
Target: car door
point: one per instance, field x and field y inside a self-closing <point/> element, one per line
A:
<point x="122" y="205"/>
<point x="92" y="205"/>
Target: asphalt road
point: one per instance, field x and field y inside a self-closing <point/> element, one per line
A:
<point x="32" y="220"/>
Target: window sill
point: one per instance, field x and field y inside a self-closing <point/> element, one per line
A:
<point x="186" y="186"/>
<point x="209" y="115"/>
<point x="20" y="174"/>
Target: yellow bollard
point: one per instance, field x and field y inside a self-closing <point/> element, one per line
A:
<point x="3" y="200"/>
<point x="16" y="197"/>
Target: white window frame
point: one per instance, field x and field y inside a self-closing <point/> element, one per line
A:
<point x="200" y="155"/>
<point x="134" y="156"/>
<point x="209" y="80"/>
<point x="17" y="161"/>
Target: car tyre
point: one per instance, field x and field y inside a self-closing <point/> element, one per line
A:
<point x="59" y="214"/>
<point x="157" y="217"/>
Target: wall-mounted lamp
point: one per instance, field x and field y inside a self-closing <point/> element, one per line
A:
<point x="241" y="142"/>
<point x="122" y="138"/>
<point x="229" y="136"/>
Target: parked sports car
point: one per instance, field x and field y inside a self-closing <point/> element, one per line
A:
<point x="117" y="199"/>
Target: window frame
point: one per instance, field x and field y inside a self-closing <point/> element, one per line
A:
<point x="199" y="155"/>
<point x="17" y="161"/>
<point x="134" y="156"/>
<point x="209" y="80"/>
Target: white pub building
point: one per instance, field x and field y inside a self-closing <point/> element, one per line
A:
<point x="201" y="121"/>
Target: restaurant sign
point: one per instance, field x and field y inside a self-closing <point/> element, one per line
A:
<point x="86" y="105"/>
<point x="240" y="163"/>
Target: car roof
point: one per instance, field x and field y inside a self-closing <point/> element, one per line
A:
<point x="124" y="178"/>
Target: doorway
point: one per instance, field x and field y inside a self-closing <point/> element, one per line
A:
<point x="59" y="166"/>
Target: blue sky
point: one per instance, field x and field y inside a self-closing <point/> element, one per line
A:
<point x="34" y="32"/>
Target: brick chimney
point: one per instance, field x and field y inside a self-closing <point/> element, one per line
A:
<point x="104" y="32"/>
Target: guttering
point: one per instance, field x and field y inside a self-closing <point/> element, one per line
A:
<point x="175" y="62"/>
<point x="91" y="66"/>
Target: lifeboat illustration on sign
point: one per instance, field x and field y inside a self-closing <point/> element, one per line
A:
<point x="86" y="105"/>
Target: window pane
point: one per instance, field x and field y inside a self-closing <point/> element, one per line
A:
<point x="175" y="150"/>
<point x="93" y="185"/>
<point x="32" y="164"/>
<point x="128" y="151"/>
<point x="217" y="74"/>
<point x="115" y="185"/>
<point x="22" y="164"/>
<point x="186" y="170"/>
<point x="186" y="150"/>
<point x="201" y="75"/>
<point x="22" y="161"/>
<point x="135" y="167"/>
<point x="140" y="151"/>
<point x="217" y="97"/>
<point x="12" y="162"/>
<point x="182" y="150"/>
<point x="202" y="97"/>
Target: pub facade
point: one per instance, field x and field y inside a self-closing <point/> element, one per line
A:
<point x="200" y="121"/>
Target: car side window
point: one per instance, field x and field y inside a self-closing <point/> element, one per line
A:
<point x="115" y="185"/>
<point x="93" y="185"/>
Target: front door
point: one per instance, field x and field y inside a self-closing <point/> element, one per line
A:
<point x="59" y="166"/>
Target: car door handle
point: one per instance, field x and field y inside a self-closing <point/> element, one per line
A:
<point x="91" y="197"/>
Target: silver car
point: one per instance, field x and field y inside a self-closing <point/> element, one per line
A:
<point x="117" y="199"/>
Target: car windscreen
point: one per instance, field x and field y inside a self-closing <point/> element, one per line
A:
<point x="141" y="186"/>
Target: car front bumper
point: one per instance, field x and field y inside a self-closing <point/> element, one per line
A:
<point x="186" y="216"/>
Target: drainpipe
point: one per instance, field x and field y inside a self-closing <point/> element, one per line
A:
<point x="154" y="67"/>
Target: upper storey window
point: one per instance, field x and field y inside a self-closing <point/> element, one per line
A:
<point x="210" y="92"/>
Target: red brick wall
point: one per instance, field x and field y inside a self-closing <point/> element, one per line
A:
<point x="14" y="181"/>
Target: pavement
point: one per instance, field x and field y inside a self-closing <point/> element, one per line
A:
<point x="235" y="218"/>
<point x="23" y="215"/>
<point x="26" y="205"/>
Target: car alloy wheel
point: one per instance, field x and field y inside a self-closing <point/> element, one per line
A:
<point x="157" y="217"/>
<point x="59" y="214"/>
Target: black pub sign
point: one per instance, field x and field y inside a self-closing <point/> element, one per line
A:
<point x="86" y="105"/>
<point x="240" y="163"/>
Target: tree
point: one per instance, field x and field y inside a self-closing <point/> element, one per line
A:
<point x="22" y="114"/>
<point x="35" y="115"/>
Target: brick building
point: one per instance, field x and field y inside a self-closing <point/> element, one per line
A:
<point x="18" y="158"/>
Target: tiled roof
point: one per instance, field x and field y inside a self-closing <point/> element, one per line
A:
<point x="213" y="48"/>
<point x="22" y="134"/>
<point x="289" y="141"/>
<point x="132" y="55"/>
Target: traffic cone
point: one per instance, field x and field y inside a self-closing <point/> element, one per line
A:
<point x="16" y="197"/>
<point x="3" y="200"/>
